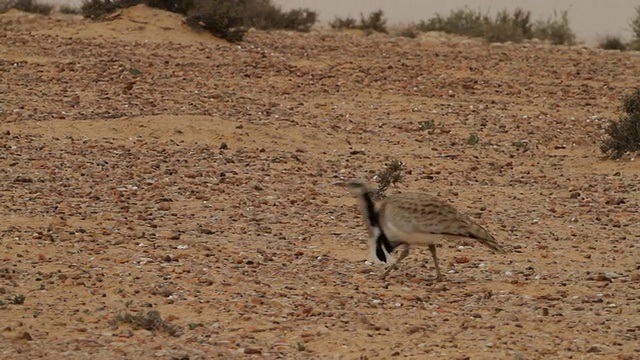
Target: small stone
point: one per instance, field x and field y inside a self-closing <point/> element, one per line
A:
<point x="224" y="146"/>
<point x="25" y="336"/>
<point x="322" y="330"/>
<point x="165" y="206"/>
<point x="545" y="311"/>
<point x="252" y="351"/>
<point x="22" y="179"/>
<point x="602" y="277"/>
<point x="594" y="349"/>
<point x="125" y="333"/>
<point x="513" y="317"/>
<point x="363" y="319"/>
<point x="205" y="231"/>
<point x="612" y="275"/>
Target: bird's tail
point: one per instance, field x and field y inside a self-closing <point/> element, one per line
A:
<point x="478" y="233"/>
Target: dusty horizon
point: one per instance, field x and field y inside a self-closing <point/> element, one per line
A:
<point x="586" y="17"/>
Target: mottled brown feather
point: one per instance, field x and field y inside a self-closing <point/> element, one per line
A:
<point x="420" y="219"/>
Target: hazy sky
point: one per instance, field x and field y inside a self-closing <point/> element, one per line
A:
<point x="589" y="19"/>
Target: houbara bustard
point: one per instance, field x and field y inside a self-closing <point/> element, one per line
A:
<point x="413" y="218"/>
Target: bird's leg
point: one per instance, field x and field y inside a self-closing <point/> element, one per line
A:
<point x="432" y="248"/>
<point x="403" y="254"/>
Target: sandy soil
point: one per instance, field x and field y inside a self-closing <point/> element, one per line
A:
<point x="145" y="167"/>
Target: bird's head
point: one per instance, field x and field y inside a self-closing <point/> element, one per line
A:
<point x="356" y="187"/>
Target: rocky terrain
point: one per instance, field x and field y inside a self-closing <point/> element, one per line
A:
<point x="167" y="195"/>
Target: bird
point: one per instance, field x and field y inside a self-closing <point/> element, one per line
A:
<point x="413" y="219"/>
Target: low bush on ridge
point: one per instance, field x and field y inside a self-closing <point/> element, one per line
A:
<point x="227" y="19"/>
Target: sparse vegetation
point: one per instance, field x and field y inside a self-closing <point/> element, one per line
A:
<point x="516" y="26"/>
<point x="616" y="43"/>
<point x="264" y="15"/>
<point x="612" y="43"/>
<point x="222" y="18"/>
<point x="18" y="299"/>
<point x="464" y="22"/>
<point x="392" y="174"/>
<point x="344" y="23"/>
<point x="623" y="135"/>
<point x="374" y="22"/>
<point x="30" y="6"/>
<point x="555" y="29"/>
<point x="426" y="124"/>
<point x="227" y="19"/>
<point x="67" y="9"/>
<point x="150" y="321"/>
<point x="473" y="139"/>
<point x="521" y="144"/>
<point x="176" y="6"/>
<point x="507" y="26"/>
<point x="95" y="9"/>
<point x="634" y="44"/>
<point x="409" y="31"/>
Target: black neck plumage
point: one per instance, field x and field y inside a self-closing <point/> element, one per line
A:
<point x="373" y="221"/>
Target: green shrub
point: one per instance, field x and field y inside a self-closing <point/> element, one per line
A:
<point x="505" y="26"/>
<point x="612" y="43"/>
<point x="509" y="27"/>
<point x="464" y="22"/>
<point x="222" y="18"/>
<point x="151" y="321"/>
<point x="344" y="23"/>
<point x="30" y="6"/>
<point x="264" y="15"/>
<point x="623" y="135"/>
<point x="374" y="22"/>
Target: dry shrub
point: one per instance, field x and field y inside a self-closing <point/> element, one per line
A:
<point x="392" y="174"/>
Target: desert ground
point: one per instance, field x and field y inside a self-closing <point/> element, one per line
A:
<point x="146" y="167"/>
